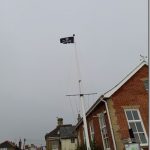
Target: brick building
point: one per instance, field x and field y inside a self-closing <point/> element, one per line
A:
<point x="123" y="107"/>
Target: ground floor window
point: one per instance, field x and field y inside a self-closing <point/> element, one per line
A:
<point x="104" y="132"/>
<point x="72" y="140"/>
<point x="91" y="127"/>
<point x="55" y="145"/>
<point x="136" y="124"/>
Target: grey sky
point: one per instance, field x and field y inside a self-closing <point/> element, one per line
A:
<point x="37" y="71"/>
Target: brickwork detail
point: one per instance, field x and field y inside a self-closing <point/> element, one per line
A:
<point x="115" y="126"/>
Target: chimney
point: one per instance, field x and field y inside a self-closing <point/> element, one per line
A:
<point x="59" y="121"/>
<point x="79" y="117"/>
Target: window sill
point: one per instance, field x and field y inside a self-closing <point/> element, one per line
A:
<point x="144" y="145"/>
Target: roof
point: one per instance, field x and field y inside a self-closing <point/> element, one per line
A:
<point x="115" y="88"/>
<point x="8" y="144"/>
<point x="109" y="93"/>
<point x="53" y="133"/>
<point x="63" y="131"/>
<point x="67" y="131"/>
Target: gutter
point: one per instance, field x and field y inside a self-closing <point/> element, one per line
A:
<point x="112" y="133"/>
<point x="52" y="138"/>
<point x="101" y="99"/>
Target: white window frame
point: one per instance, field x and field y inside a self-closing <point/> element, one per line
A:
<point x="91" y="127"/>
<point x="102" y="127"/>
<point x="140" y="120"/>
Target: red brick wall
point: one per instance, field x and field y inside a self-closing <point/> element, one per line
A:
<point x="131" y="94"/>
<point x="93" y="116"/>
<point x="97" y="133"/>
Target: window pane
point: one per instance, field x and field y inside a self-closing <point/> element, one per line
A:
<point x="103" y="121"/>
<point x="146" y="84"/>
<point x="135" y="115"/>
<point x="107" y="143"/>
<point x="139" y="127"/>
<point x="104" y="133"/>
<point x="132" y="125"/>
<point x="137" y="137"/>
<point x="92" y="137"/>
<point x="72" y="140"/>
<point x="129" y="115"/>
<point x="105" y="130"/>
<point x="143" y="138"/>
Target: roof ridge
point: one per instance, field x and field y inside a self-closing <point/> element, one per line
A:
<point x="125" y="79"/>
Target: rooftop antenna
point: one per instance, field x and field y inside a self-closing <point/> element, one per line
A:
<point x="143" y="57"/>
<point x="81" y="95"/>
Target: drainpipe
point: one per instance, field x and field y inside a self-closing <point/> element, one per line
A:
<point x="112" y="133"/>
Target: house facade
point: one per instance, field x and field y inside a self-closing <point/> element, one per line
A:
<point x="63" y="137"/>
<point x="120" y="116"/>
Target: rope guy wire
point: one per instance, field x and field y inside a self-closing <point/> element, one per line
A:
<point x="72" y="108"/>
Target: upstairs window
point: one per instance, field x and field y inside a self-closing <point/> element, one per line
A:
<point x="135" y="122"/>
<point x="146" y="84"/>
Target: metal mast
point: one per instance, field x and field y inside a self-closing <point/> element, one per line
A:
<point x="81" y="95"/>
<point x="84" y="118"/>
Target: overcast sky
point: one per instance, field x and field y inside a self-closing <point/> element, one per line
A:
<point x="37" y="71"/>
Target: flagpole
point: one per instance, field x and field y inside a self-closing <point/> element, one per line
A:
<point x="81" y="95"/>
<point x="82" y="100"/>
